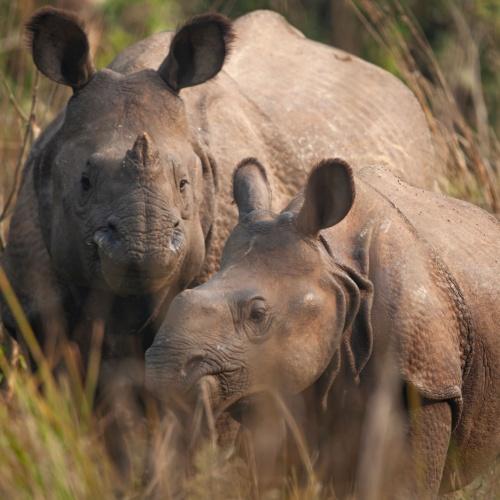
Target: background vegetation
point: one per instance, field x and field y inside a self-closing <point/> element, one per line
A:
<point x="447" y="51"/>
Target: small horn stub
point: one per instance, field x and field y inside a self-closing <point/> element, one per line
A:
<point x="142" y="159"/>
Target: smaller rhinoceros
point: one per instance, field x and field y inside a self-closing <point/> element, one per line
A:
<point x="318" y="299"/>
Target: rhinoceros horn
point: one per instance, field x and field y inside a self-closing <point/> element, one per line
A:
<point x="142" y="160"/>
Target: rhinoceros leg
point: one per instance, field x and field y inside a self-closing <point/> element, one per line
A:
<point x="429" y="439"/>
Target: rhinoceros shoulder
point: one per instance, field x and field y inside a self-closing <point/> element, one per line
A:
<point x="263" y="19"/>
<point x="26" y="260"/>
<point x="150" y="52"/>
<point x="452" y="226"/>
<point x="440" y="257"/>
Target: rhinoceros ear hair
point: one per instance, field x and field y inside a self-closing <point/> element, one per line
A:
<point x="60" y="47"/>
<point x="328" y="197"/>
<point x="197" y="51"/>
<point x="251" y="189"/>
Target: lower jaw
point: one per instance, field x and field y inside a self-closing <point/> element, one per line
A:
<point x="207" y="389"/>
<point x="136" y="289"/>
<point x="250" y="409"/>
<point x="124" y="285"/>
<point x="240" y="410"/>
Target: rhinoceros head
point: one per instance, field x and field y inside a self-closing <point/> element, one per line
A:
<point x="121" y="183"/>
<point x="275" y="313"/>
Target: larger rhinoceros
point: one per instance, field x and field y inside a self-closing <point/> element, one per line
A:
<point x="125" y="199"/>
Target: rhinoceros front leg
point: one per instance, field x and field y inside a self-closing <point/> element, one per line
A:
<point x="429" y="438"/>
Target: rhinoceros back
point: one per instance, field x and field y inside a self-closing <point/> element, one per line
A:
<point x="465" y="237"/>
<point x="331" y="103"/>
<point x="325" y="102"/>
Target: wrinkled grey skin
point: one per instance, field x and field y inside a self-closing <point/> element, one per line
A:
<point x="325" y="299"/>
<point x="126" y="200"/>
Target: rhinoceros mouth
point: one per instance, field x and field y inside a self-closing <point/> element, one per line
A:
<point x="241" y="408"/>
<point x="132" y="279"/>
<point x="225" y="388"/>
<point x="131" y="282"/>
<point x="135" y="271"/>
<point x="212" y="387"/>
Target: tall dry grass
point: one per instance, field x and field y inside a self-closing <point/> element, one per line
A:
<point x="469" y="151"/>
<point x="51" y="441"/>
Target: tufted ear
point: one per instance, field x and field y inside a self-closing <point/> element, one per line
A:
<point x="328" y="197"/>
<point x="197" y="51"/>
<point x="251" y="188"/>
<point x="60" y="47"/>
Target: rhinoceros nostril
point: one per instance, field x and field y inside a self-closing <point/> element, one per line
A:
<point x="111" y="225"/>
<point x="176" y="223"/>
<point x="107" y="236"/>
<point x="192" y="365"/>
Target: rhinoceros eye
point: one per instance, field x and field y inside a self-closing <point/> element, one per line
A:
<point x="258" y="320"/>
<point x="85" y="182"/>
<point x="183" y="184"/>
<point x="258" y="311"/>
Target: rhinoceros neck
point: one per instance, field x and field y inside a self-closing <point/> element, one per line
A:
<point x="228" y="126"/>
<point x="122" y="318"/>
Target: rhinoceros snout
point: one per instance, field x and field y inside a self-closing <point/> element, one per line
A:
<point x="133" y="261"/>
<point x="173" y="377"/>
<point x="157" y="376"/>
<point x="105" y="239"/>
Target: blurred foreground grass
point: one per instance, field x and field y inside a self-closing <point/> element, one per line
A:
<point x="51" y="442"/>
<point x="48" y="445"/>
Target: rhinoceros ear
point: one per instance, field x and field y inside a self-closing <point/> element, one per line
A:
<point x="60" y="47"/>
<point x="328" y="197"/>
<point x="197" y="51"/>
<point x="251" y="188"/>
